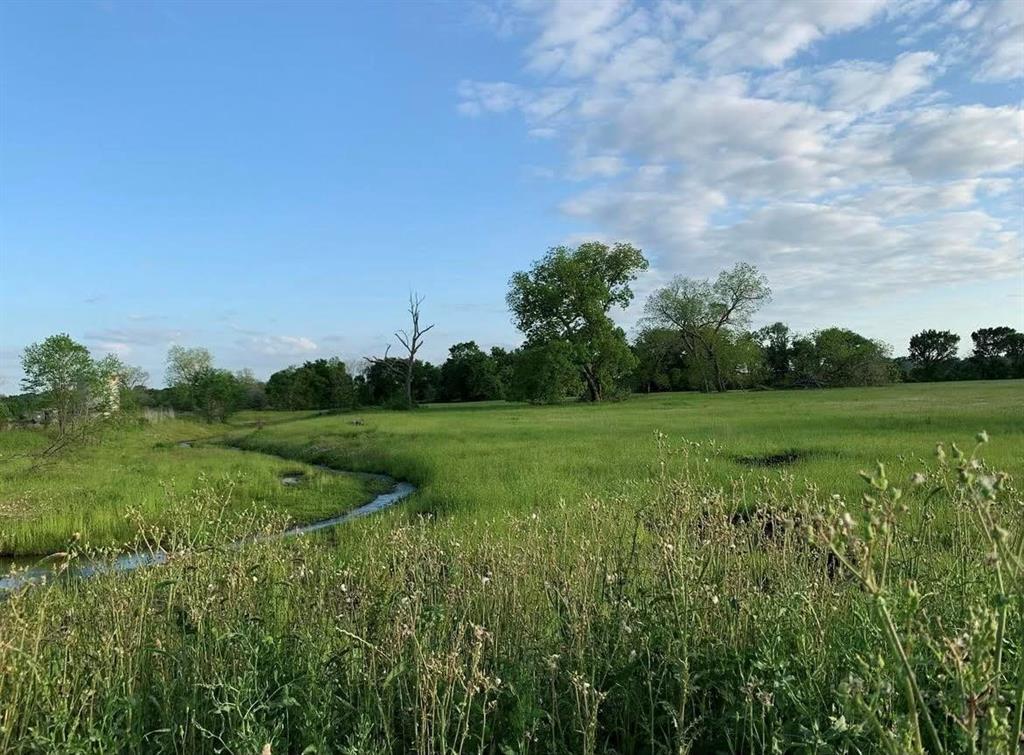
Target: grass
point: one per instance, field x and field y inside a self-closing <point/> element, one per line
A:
<point x="473" y="460"/>
<point x="582" y="585"/>
<point x="98" y="493"/>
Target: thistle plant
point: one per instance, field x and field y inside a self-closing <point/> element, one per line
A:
<point x="963" y="685"/>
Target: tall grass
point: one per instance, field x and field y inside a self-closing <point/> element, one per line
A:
<point x="97" y="491"/>
<point x="472" y="461"/>
<point x="670" y="617"/>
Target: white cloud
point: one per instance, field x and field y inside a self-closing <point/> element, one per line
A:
<point x="842" y="178"/>
<point x="114" y="347"/>
<point x="994" y="32"/>
<point x="873" y="86"/>
<point x="767" y="33"/>
<point x="270" y="345"/>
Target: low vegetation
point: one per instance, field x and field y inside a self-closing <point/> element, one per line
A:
<point x="700" y="571"/>
<point x="122" y="475"/>
<point x="572" y="582"/>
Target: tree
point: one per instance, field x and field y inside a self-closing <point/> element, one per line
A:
<point x="661" y="360"/>
<point x="701" y="311"/>
<point x="321" y="384"/>
<point x="64" y="373"/>
<point x="504" y="366"/>
<point x="998" y="353"/>
<point x="468" y="374"/>
<point x="217" y="393"/>
<point x="253" y="391"/>
<point x="186" y="369"/>
<point x="382" y="383"/>
<point x="836" y="357"/>
<point x="567" y="295"/>
<point x="199" y="387"/>
<point x="775" y="346"/>
<point x="411" y="341"/>
<point x="546" y="373"/>
<point x="932" y="353"/>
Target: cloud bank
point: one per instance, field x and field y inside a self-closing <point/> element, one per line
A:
<point x="725" y="131"/>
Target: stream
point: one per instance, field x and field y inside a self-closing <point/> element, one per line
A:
<point x="31" y="570"/>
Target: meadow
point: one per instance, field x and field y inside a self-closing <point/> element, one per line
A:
<point x="123" y="476"/>
<point x="673" y="573"/>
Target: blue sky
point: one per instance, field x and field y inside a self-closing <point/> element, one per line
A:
<point x="270" y="180"/>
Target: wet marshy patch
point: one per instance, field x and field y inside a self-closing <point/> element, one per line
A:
<point x="294" y="477"/>
<point x="776" y="458"/>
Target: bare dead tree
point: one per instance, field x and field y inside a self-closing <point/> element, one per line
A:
<point x="411" y="341"/>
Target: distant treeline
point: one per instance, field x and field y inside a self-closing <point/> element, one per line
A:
<point x="695" y="335"/>
<point x="771" y="357"/>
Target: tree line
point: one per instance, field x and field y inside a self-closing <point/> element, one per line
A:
<point x="694" y="335"/>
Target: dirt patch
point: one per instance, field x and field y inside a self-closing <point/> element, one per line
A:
<point x="774" y="459"/>
<point x="293" y="478"/>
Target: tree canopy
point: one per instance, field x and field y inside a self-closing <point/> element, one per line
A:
<point x="567" y="295"/>
<point x="704" y="312"/>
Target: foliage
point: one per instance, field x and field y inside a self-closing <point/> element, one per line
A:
<point x="776" y="348"/>
<point x="382" y="383"/>
<point x="320" y="384"/>
<point x="709" y="316"/>
<point x="661" y="361"/>
<point x="196" y="385"/>
<point x="933" y="353"/>
<point x="566" y="296"/>
<point x="469" y="374"/>
<point x="546" y="373"/>
<point x="836" y="357"/>
<point x="998" y="353"/>
<point x="68" y="380"/>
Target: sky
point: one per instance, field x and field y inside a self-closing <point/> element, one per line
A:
<point x="271" y="180"/>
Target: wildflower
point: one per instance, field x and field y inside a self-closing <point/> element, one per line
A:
<point x="982" y="437"/>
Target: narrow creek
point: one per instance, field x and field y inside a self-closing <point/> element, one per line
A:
<point x="30" y="570"/>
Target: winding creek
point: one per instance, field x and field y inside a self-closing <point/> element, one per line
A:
<point x="31" y="570"/>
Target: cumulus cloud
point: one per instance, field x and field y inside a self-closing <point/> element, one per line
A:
<point x="739" y="34"/>
<point x="863" y="86"/>
<point x="273" y="345"/>
<point x="719" y="131"/>
<point x="125" y="338"/>
<point x="993" y="34"/>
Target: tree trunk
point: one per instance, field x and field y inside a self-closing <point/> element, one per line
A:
<point x="408" y="382"/>
<point x="593" y="385"/>
<point x="719" y="381"/>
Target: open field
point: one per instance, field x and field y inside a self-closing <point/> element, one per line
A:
<point x="99" y="493"/>
<point x="579" y="586"/>
<point x="490" y="458"/>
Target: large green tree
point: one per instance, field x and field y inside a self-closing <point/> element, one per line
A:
<point x="200" y="387"/>
<point x="837" y="357"/>
<point x="319" y="384"/>
<point x="469" y="374"/>
<point x="933" y="353"/>
<point x="998" y="352"/>
<point x="187" y="368"/>
<point x="661" y="360"/>
<point x="704" y="312"/>
<point x="567" y="296"/>
<point x="64" y="374"/>
<point x="775" y="342"/>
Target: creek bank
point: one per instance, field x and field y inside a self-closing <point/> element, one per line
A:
<point x="30" y="570"/>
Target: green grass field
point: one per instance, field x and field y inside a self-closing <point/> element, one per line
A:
<point x="98" y="493"/>
<point x="481" y="459"/>
<point x="670" y="574"/>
